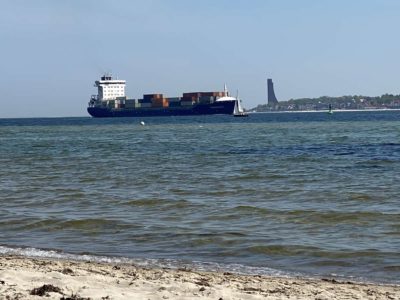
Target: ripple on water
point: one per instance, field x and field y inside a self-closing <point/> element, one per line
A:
<point x="288" y="191"/>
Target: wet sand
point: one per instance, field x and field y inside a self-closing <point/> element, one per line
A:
<point x="33" y="278"/>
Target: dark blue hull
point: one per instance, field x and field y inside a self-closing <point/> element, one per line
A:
<point x="223" y="107"/>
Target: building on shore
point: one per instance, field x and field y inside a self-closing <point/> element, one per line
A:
<point x="272" y="101"/>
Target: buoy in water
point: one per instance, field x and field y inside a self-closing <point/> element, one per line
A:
<point x="142" y="123"/>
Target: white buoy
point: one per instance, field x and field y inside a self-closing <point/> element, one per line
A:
<point x="142" y="123"/>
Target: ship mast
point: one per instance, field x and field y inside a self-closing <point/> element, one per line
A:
<point x="226" y="92"/>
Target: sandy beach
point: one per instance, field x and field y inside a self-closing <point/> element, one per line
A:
<point x="33" y="278"/>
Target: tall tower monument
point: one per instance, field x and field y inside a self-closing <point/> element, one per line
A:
<point x="272" y="101"/>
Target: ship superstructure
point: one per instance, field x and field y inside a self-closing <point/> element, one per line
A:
<point x="110" y="89"/>
<point x="111" y="101"/>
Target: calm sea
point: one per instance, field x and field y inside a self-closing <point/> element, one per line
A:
<point x="306" y="194"/>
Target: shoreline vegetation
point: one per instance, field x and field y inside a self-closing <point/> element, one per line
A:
<point x="343" y="103"/>
<point x="40" y="278"/>
<point x="325" y="110"/>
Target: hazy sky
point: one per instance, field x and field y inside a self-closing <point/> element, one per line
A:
<point x="52" y="51"/>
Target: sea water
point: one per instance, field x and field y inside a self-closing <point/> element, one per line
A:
<point x="307" y="194"/>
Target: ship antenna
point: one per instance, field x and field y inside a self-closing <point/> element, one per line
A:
<point x="226" y="90"/>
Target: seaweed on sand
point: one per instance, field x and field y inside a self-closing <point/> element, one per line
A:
<point x="44" y="289"/>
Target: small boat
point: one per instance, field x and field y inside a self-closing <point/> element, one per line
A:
<point x="238" y="110"/>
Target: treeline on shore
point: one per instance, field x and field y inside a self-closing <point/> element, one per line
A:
<point x="386" y="101"/>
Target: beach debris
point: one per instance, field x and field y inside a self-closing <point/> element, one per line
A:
<point x="203" y="282"/>
<point x="16" y="296"/>
<point x="2" y="282"/>
<point x="251" y="289"/>
<point x="390" y="296"/>
<point x="45" y="289"/>
<point x="74" y="297"/>
<point x="67" y="271"/>
<point x="202" y="289"/>
<point x="331" y="280"/>
<point x="134" y="275"/>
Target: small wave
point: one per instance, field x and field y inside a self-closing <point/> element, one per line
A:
<point x="89" y="223"/>
<point x="332" y="262"/>
<point x="335" y="217"/>
<point x="375" y="164"/>
<point x="392" y="268"/>
<point x="316" y="217"/>
<point x="160" y="203"/>
<point x="344" y="153"/>
<point x="146" y="202"/>
<point x="281" y="249"/>
<point x="299" y="250"/>
<point x="189" y="265"/>
<point x="251" y="209"/>
<point x="181" y="192"/>
<point x="79" y="224"/>
<point x="390" y="144"/>
<point x="360" y="197"/>
<point x="153" y="263"/>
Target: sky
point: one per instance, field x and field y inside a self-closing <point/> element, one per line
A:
<point x="51" y="52"/>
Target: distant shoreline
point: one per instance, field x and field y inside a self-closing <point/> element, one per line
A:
<point x="324" y="111"/>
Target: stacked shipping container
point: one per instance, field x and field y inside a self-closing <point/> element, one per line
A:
<point x="159" y="101"/>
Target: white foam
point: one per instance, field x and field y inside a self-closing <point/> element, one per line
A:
<point x="161" y="263"/>
<point x="169" y="263"/>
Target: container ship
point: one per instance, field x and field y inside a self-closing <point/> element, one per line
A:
<point x="111" y="101"/>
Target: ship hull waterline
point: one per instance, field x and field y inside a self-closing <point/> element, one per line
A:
<point x="223" y="107"/>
